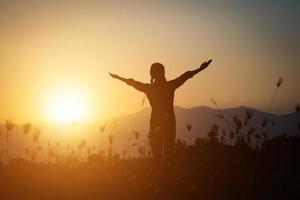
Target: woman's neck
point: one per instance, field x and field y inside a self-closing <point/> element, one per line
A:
<point x="161" y="80"/>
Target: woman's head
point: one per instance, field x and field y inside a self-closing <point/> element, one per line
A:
<point x="157" y="72"/>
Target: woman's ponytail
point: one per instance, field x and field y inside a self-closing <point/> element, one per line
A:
<point x="152" y="80"/>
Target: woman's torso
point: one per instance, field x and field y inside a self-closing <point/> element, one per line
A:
<point x="161" y="98"/>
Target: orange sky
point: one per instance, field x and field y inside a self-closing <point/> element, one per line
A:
<point x="48" y="47"/>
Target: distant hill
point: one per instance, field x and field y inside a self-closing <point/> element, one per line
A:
<point x="96" y="134"/>
<point x="201" y="118"/>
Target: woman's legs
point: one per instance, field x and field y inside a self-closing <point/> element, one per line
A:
<point x="169" y="143"/>
<point x="162" y="141"/>
<point x="156" y="143"/>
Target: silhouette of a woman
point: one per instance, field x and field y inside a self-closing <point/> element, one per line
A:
<point x="160" y="94"/>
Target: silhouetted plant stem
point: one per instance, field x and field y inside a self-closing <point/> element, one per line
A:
<point x="265" y="123"/>
<point x="220" y="114"/>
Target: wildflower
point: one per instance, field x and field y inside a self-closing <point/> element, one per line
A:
<point x="102" y="128"/>
<point x="136" y="135"/>
<point x="189" y="127"/>
<point x="264" y="123"/>
<point x="9" y="125"/>
<point x="213" y="101"/>
<point x="249" y="114"/>
<point x="36" y="135"/>
<point x="238" y="122"/>
<point x="279" y="82"/>
<point x="213" y="133"/>
<point x="88" y="150"/>
<point x="251" y="131"/>
<point x="26" y="128"/>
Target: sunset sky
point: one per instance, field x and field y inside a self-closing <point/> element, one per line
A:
<point x="53" y="53"/>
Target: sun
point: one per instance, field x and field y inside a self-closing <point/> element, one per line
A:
<point x="67" y="105"/>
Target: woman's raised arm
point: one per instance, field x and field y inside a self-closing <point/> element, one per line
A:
<point x="129" y="81"/>
<point x="118" y="77"/>
<point x="189" y="74"/>
<point x="202" y="67"/>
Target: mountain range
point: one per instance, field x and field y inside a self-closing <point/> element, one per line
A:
<point x="127" y="131"/>
<point x="201" y="119"/>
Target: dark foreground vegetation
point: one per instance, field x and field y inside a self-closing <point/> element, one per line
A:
<point x="206" y="170"/>
<point x="241" y="163"/>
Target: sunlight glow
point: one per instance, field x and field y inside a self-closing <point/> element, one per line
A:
<point x="67" y="106"/>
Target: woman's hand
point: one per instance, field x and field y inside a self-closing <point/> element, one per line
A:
<point x="114" y="76"/>
<point x="118" y="77"/>
<point x="205" y="64"/>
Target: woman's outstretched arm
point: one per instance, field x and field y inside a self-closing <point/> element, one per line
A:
<point x="202" y="67"/>
<point x="118" y="77"/>
<point x="189" y="74"/>
<point x="136" y="84"/>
